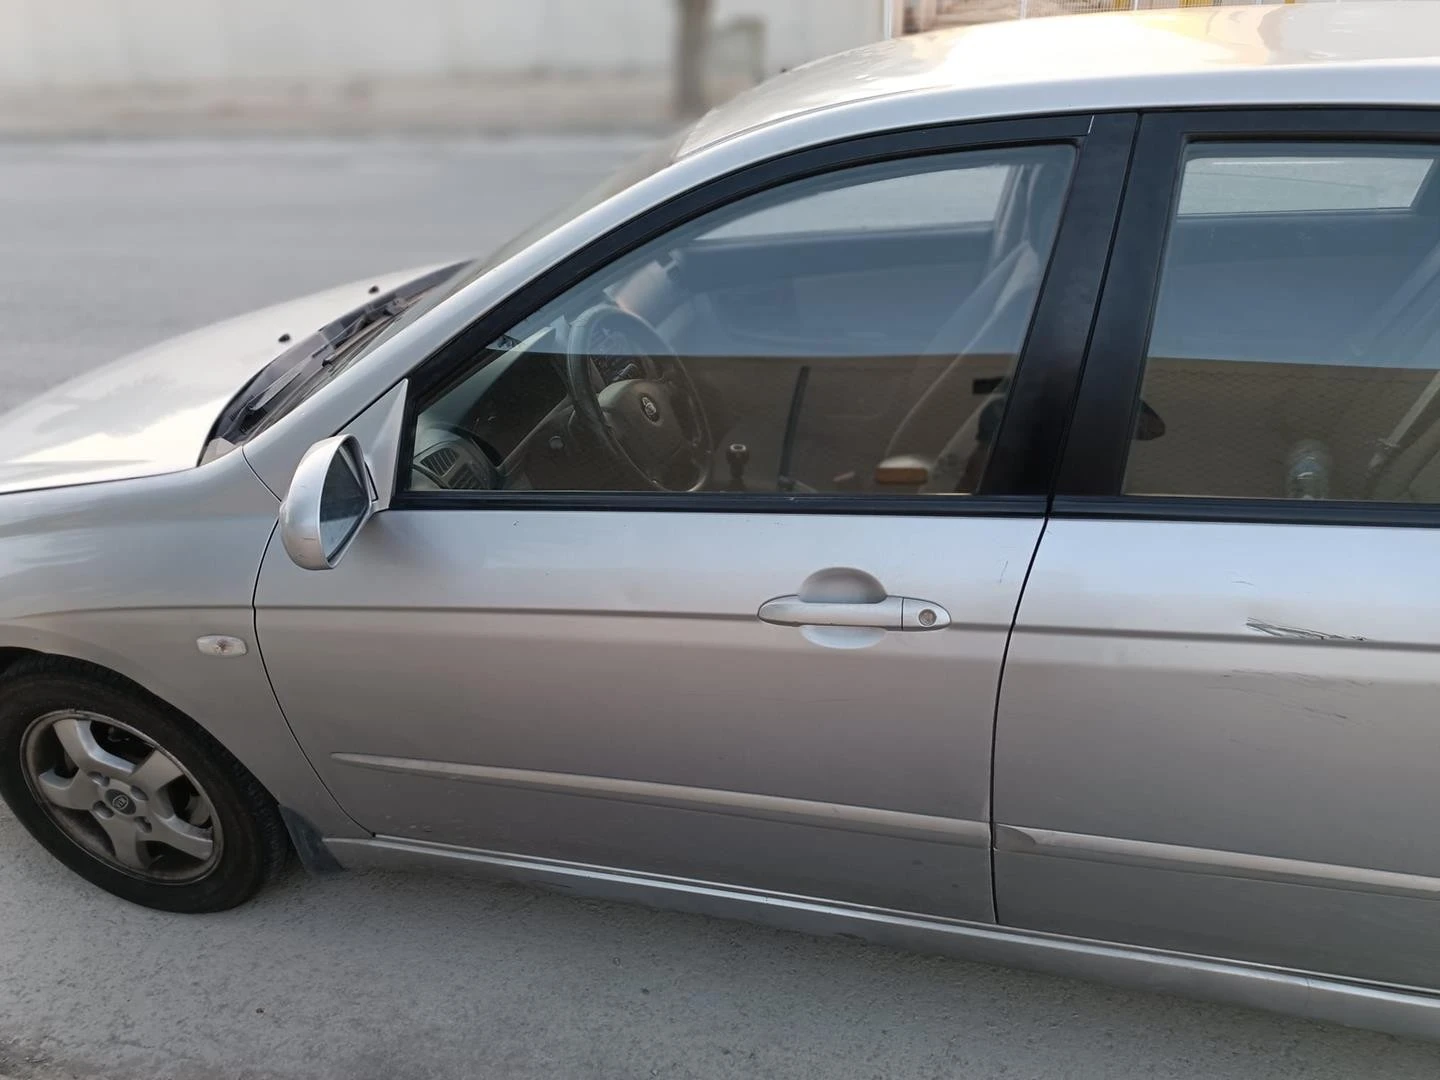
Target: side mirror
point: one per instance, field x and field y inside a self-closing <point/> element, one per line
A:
<point x="330" y="499"/>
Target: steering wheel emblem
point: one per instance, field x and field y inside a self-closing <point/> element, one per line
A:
<point x="649" y="408"/>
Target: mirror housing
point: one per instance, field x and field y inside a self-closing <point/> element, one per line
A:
<point x="330" y="499"/>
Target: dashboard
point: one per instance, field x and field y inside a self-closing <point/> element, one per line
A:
<point x="518" y="400"/>
<point x="464" y="439"/>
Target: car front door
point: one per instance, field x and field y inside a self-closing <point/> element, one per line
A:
<point x="1219" y="730"/>
<point x="704" y="565"/>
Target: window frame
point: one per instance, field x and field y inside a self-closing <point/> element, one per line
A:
<point x="1092" y="467"/>
<point x="1023" y="459"/>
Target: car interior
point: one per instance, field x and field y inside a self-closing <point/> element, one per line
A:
<point x="851" y="332"/>
<point x="1296" y="339"/>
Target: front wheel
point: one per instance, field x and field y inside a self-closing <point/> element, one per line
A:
<point x="130" y="794"/>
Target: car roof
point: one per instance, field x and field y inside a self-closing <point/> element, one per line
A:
<point x="1351" y="53"/>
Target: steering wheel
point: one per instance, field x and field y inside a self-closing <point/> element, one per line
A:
<point x="648" y="413"/>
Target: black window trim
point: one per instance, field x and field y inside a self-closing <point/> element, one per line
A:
<point x="1092" y="464"/>
<point x="1018" y="480"/>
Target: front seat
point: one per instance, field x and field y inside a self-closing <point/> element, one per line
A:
<point x="993" y="319"/>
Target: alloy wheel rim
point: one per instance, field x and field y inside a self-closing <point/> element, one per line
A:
<point x="120" y="797"/>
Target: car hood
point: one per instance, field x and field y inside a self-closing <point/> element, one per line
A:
<point x="151" y="411"/>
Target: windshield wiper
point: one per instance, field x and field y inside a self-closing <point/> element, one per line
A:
<point x="289" y="377"/>
<point x="328" y="346"/>
<point x="370" y="318"/>
<point x="260" y="403"/>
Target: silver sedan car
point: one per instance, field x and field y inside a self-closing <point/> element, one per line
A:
<point x="977" y="493"/>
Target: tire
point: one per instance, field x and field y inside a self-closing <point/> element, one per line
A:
<point x="129" y="840"/>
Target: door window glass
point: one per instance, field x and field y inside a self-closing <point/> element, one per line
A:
<point x="1295" y="346"/>
<point x="848" y="332"/>
<point x="1301" y="178"/>
<point x="913" y="200"/>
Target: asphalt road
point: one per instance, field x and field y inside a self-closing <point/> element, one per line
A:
<point x="108" y="246"/>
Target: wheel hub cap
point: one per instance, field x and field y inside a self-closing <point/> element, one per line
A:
<point x="121" y="797"/>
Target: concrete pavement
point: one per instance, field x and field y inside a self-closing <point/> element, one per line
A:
<point x="108" y="246"/>
<point x="395" y="978"/>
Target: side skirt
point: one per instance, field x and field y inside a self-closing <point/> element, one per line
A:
<point x="1400" y="1011"/>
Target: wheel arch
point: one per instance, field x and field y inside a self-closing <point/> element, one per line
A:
<point x="229" y="699"/>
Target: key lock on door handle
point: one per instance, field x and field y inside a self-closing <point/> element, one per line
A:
<point x="844" y="608"/>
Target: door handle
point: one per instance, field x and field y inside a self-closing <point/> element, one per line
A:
<point x="891" y="613"/>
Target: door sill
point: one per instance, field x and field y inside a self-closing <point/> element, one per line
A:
<point x="1408" y="1012"/>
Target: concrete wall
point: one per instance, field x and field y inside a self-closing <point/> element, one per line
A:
<point x="92" y="43"/>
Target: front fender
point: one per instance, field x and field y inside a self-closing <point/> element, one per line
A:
<point x="128" y="575"/>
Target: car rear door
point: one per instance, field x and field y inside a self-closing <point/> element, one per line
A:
<point x="1219" y="729"/>
<point x="566" y="666"/>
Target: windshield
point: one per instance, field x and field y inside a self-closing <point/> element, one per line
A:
<point x="628" y="175"/>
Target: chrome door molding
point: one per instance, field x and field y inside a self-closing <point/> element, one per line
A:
<point x="864" y="819"/>
<point x="1397" y="1010"/>
<point x="1195" y="860"/>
